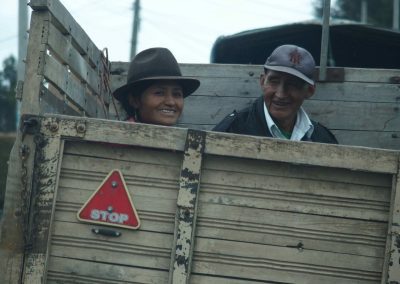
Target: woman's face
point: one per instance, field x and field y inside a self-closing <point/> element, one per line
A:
<point x="161" y="103"/>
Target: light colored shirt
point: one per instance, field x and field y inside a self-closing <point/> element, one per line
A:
<point x="302" y="127"/>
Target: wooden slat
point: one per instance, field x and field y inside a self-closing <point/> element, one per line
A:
<point x="375" y="139"/>
<point x="391" y="266"/>
<point x="304" y="194"/>
<point x="34" y="59"/>
<point x="60" y="76"/>
<point x="288" y="265"/>
<point x="371" y="75"/>
<point x="133" y="248"/>
<point x="240" y="71"/>
<point x="42" y="210"/>
<point x="13" y="225"/>
<point x="355" y="115"/>
<point x="63" y="270"/>
<point x="124" y="133"/>
<point x="289" y="229"/>
<point x="126" y="153"/>
<point x="67" y="24"/>
<point x="333" y="114"/>
<point x="356" y="158"/>
<point x="53" y="102"/>
<point x="316" y="154"/>
<point x="375" y="92"/>
<point x="293" y="170"/>
<point x="62" y="47"/>
<point x="186" y="213"/>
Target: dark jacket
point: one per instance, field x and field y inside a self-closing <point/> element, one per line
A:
<point x="251" y="121"/>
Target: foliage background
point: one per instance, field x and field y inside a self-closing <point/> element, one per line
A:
<point x="8" y="81"/>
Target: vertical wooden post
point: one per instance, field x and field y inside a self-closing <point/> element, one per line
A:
<point x="396" y="11"/>
<point x="364" y="11"/>
<point x="324" y="40"/>
<point x="391" y="267"/>
<point x="49" y="148"/>
<point x="186" y="214"/>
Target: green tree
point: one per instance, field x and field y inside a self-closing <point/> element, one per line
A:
<point x="380" y="12"/>
<point x="8" y="81"/>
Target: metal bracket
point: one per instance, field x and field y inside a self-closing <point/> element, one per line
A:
<point x="29" y="125"/>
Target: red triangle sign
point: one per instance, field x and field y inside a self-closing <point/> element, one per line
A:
<point x="111" y="204"/>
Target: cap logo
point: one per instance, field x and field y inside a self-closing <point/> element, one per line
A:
<point x="295" y="57"/>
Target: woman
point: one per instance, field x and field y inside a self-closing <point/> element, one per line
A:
<point x="155" y="88"/>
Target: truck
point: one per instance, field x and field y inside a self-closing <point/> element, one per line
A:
<point x="93" y="199"/>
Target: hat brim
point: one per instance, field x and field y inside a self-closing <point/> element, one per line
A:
<point x="189" y="85"/>
<point x="291" y="71"/>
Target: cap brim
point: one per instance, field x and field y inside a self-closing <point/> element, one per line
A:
<point x="189" y="85"/>
<point x="290" y="71"/>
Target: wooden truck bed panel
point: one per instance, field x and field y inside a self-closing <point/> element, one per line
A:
<point x="214" y="208"/>
<point x="269" y="215"/>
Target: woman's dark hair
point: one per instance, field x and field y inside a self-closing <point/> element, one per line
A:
<point x="130" y="110"/>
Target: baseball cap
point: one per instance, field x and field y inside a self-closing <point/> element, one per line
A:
<point x="294" y="60"/>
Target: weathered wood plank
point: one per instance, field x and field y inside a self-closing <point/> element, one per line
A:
<point x="206" y="279"/>
<point x="288" y="265"/>
<point x="42" y="212"/>
<point x="133" y="248"/>
<point x="34" y="58"/>
<point x="355" y="115"/>
<point x="187" y="203"/>
<point x="124" y="153"/>
<point x="309" y="172"/>
<point x="51" y="101"/>
<point x="391" y="266"/>
<point x="343" y="115"/>
<point x="63" y="270"/>
<point x="62" y="48"/>
<point x="68" y="25"/>
<point x="12" y="221"/>
<point x="123" y="133"/>
<point x="288" y="229"/>
<point x="374" y="92"/>
<point x="375" y="139"/>
<point x="335" y="156"/>
<point x="240" y="71"/>
<point x="289" y="194"/>
<point x="59" y="75"/>
<point x="355" y="158"/>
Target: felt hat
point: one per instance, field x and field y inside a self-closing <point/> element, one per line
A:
<point x="151" y="65"/>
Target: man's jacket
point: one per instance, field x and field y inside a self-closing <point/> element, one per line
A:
<point x="251" y="121"/>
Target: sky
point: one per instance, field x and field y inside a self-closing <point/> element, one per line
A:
<point x="188" y="28"/>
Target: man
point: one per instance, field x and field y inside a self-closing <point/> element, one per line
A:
<point x="286" y="82"/>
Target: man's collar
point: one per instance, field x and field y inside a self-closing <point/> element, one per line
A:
<point x="303" y="126"/>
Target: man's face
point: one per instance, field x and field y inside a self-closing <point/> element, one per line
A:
<point x="283" y="95"/>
